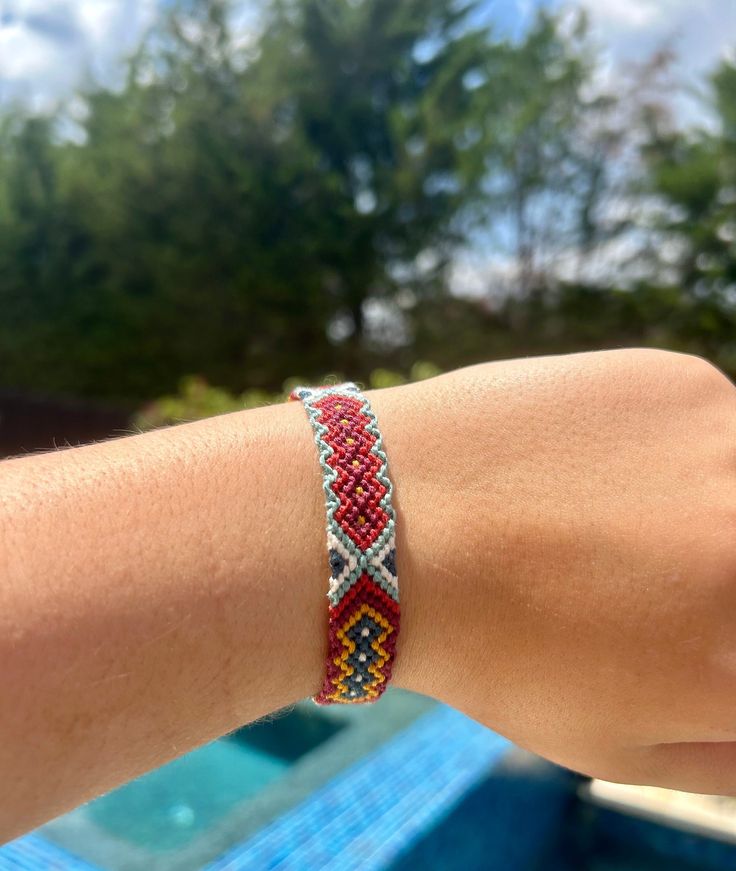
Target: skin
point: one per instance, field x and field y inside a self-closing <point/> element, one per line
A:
<point x="565" y="556"/>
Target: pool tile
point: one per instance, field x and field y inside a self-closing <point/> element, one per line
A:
<point x="368" y="814"/>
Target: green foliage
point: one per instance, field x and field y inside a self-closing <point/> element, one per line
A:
<point x="229" y="205"/>
<point x="196" y="399"/>
<point x="293" y="203"/>
<point x="694" y="176"/>
<point x="536" y="155"/>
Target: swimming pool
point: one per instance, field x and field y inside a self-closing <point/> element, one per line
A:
<point x="170" y="807"/>
<point x="404" y="784"/>
<point x="166" y="809"/>
<point x="187" y="813"/>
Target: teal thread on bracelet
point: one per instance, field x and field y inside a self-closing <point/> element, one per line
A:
<point x="363" y="593"/>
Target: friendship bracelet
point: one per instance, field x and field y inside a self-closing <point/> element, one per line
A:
<point x="363" y="587"/>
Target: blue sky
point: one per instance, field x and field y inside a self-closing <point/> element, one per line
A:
<point x="48" y="46"/>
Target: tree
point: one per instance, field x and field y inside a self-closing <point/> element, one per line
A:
<point x="544" y="172"/>
<point x="234" y="207"/>
<point x="693" y="175"/>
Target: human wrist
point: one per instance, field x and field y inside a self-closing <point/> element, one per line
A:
<point x="431" y="560"/>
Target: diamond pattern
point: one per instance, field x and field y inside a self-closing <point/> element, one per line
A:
<point x="363" y="588"/>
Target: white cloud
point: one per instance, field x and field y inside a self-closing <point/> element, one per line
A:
<point x="47" y="47"/>
<point x="628" y="13"/>
<point x="21" y="52"/>
<point x="700" y="30"/>
<point x="98" y="18"/>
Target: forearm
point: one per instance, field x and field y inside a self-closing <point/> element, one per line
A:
<point x="564" y="550"/>
<point x="156" y="591"/>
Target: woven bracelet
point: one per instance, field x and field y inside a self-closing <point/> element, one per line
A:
<point x="363" y="588"/>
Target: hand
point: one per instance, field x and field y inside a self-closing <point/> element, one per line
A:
<point x="568" y="559"/>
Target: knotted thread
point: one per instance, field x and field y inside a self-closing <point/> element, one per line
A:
<point x="363" y="590"/>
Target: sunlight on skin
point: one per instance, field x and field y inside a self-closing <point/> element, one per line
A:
<point x="564" y="549"/>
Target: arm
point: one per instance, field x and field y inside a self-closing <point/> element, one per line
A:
<point x="564" y="553"/>
<point x="157" y="591"/>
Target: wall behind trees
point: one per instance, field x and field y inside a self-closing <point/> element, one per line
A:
<point x="298" y="203"/>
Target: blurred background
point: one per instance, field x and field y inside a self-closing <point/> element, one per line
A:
<point x="201" y="201"/>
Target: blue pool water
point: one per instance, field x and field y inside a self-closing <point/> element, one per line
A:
<point x="187" y="812"/>
<point x="166" y="809"/>
<point x="442" y="793"/>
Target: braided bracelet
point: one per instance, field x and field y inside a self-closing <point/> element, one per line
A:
<point x="363" y="588"/>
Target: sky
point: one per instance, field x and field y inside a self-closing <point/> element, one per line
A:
<point x="47" y="47"/>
